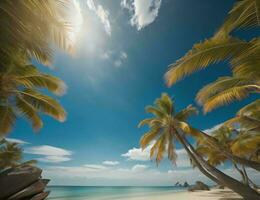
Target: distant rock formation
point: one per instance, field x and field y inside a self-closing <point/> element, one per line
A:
<point x="199" y="186"/>
<point x="23" y="183"/>
<point x="186" y="184"/>
<point x="178" y="184"/>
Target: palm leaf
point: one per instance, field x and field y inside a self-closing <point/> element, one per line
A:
<point x="205" y="53"/>
<point x="27" y="110"/>
<point x="148" y="137"/>
<point x="187" y="112"/>
<point x="225" y="90"/>
<point x="44" y="103"/>
<point x="7" y="119"/>
<point x="244" y="14"/>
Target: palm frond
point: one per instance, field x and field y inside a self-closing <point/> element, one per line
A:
<point x="244" y="14"/>
<point x="44" y="104"/>
<point x="32" y="78"/>
<point x="148" y="137"/>
<point x="205" y="53"/>
<point x="7" y="119"/>
<point x="187" y="112"/>
<point x="246" y="144"/>
<point x="30" y="112"/>
<point x="165" y="103"/>
<point x="225" y="90"/>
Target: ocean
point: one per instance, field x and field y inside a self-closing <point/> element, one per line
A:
<point x="105" y="193"/>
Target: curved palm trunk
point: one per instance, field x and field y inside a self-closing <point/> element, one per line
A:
<point x="245" y="191"/>
<point x="245" y="180"/>
<point x="246" y="162"/>
<point x="200" y="167"/>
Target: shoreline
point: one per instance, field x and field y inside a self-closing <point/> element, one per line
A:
<point x="213" y="194"/>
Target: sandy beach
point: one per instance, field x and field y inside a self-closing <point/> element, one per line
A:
<point x="214" y="194"/>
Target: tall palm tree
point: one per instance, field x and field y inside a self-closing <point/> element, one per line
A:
<point x="33" y="27"/>
<point x="167" y="126"/>
<point x="21" y="94"/>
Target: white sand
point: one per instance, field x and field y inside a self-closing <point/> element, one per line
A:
<point x="214" y="194"/>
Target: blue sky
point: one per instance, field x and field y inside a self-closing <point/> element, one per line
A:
<point x="122" y="52"/>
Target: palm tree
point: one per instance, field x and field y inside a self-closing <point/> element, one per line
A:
<point x="11" y="155"/>
<point x="34" y="26"/>
<point x="20" y="94"/>
<point x="237" y="143"/>
<point x="167" y="126"/>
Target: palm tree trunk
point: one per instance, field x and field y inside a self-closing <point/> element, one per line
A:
<point x="241" y="173"/>
<point x="245" y="191"/>
<point x="228" y="154"/>
<point x="200" y="167"/>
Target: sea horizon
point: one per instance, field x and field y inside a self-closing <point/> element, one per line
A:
<point x="108" y="192"/>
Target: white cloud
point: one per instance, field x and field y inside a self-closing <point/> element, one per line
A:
<point x="212" y="129"/>
<point x="137" y="175"/>
<point x="95" y="167"/>
<point x="123" y="55"/>
<point x="111" y="163"/>
<point x="54" y="159"/>
<point x="106" y="55"/>
<point x="118" y="63"/>
<point x="139" y="168"/>
<point x="51" y="154"/>
<point x="144" y="155"/>
<point x="138" y="154"/>
<point x="18" y="141"/>
<point x="142" y="12"/>
<point x="102" y="14"/>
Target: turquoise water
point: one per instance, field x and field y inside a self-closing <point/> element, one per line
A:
<point x="104" y="193"/>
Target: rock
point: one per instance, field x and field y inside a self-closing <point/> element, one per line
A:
<point x="186" y="184"/>
<point x="40" y="196"/>
<point x="22" y="183"/>
<point x="31" y="190"/>
<point x="14" y="180"/>
<point x="199" y="186"/>
<point x="177" y="183"/>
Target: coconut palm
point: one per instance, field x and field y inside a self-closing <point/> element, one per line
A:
<point x="167" y="126"/>
<point x="21" y="94"/>
<point x="34" y="26"/>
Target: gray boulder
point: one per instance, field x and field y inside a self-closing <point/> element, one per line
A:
<point x="199" y="186"/>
